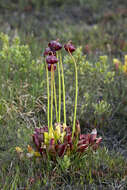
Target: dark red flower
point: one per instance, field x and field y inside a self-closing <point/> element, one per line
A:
<point x="49" y="67"/>
<point x="48" y="51"/>
<point x="69" y="47"/>
<point x="55" y="45"/>
<point x="51" y="59"/>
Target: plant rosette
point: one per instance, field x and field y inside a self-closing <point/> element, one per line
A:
<point x="60" y="139"/>
<point x="58" y="142"/>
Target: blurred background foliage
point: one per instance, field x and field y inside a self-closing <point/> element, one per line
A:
<point x="21" y="4"/>
<point x="99" y="25"/>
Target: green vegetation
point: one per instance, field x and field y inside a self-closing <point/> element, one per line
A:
<point x="102" y="88"/>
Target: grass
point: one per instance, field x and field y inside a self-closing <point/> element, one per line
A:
<point x="23" y="96"/>
<point x="101" y="168"/>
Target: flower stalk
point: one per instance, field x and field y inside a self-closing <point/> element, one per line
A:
<point x="55" y="99"/>
<point x="76" y="94"/>
<point x="59" y="79"/>
<point x="62" y="75"/>
<point x="47" y="95"/>
<point x="52" y="82"/>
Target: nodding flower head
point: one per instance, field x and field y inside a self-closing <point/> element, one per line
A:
<point x="49" y="67"/>
<point x="69" y="47"/>
<point x="55" y="45"/>
<point x="48" y="51"/>
<point x="51" y="59"/>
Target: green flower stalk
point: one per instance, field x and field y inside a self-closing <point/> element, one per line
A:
<point x="59" y="79"/>
<point x="76" y="94"/>
<point x="62" y="75"/>
<point x="47" y="95"/>
<point x="52" y="82"/>
<point x="51" y="61"/>
<point x="69" y="47"/>
<point x="55" y="98"/>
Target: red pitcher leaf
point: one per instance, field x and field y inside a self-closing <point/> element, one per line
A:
<point x="51" y="149"/>
<point x="36" y="130"/>
<point x="93" y="136"/>
<point x="71" y="146"/>
<point x="52" y="141"/>
<point x="84" y="136"/>
<point x="61" y="149"/>
<point x="41" y="130"/>
<point x="82" y="147"/>
<point x="98" y="140"/>
<point x="68" y="130"/>
<point x="95" y="146"/>
<point x="67" y="138"/>
<point x="41" y="137"/>
<point x="36" y="141"/>
<point x="77" y="128"/>
<point x="45" y="129"/>
<point x="41" y="149"/>
<point x="83" y="141"/>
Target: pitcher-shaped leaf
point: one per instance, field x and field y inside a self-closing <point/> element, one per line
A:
<point x="95" y="146"/>
<point x="61" y="149"/>
<point x="51" y="147"/>
<point x="77" y="128"/>
<point x="82" y="147"/>
<point x="93" y="136"/>
<point x="68" y="138"/>
<point x="36" y="140"/>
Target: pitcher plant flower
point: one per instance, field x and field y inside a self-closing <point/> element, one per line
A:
<point x="55" y="45"/>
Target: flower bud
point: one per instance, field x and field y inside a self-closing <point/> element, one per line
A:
<point x="69" y="47"/>
<point x="48" y="51"/>
<point x="51" y="59"/>
<point x="55" y="45"/>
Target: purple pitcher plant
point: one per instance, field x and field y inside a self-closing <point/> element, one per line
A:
<point x="59" y="139"/>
